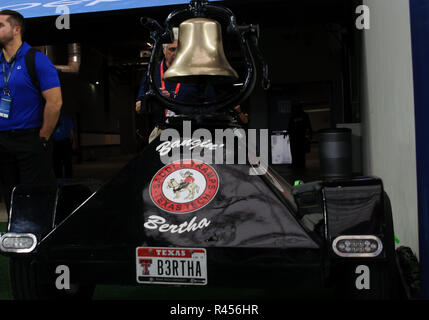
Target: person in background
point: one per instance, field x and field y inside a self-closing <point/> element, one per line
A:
<point x="64" y="144"/>
<point x="300" y="133"/>
<point x="168" y="89"/>
<point x="184" y="92"/>
<point x="26" y="120"/>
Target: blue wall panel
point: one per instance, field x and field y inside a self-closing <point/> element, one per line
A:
<point x="419" y="15"/>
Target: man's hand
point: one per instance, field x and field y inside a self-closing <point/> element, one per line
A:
<point x="244" y="117"/>
<point x="237" y="108"/>
<point x="165" y="92"/>
<point x="138" y="106"/>
<point x="51" y="112"/>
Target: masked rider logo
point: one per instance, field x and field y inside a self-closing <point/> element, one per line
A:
<point x="184" y="186"/>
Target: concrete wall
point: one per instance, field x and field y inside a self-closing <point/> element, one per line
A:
<point x="388" y="112"/>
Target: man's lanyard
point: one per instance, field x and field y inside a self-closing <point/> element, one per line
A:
<point x="176" y="91"/>
<point x="163" y="83"/>
<point x="6" y="78"/>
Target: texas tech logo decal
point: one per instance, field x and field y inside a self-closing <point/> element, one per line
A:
<point x="184" y="186"/>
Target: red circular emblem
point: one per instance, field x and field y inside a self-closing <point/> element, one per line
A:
<point x="184" y="186"/>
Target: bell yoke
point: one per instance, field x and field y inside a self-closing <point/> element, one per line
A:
<point x="201" y="58"/>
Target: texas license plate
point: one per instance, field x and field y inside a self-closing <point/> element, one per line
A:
<point x="171" y="265"/>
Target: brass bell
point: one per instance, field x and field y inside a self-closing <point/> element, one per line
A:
<point x="200" y="56"/>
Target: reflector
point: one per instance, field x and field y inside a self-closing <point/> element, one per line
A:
<point x="19" y="243"/>
<point x="357" y="246"/>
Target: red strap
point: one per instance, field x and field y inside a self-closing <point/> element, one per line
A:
<point x="163" y="83"/>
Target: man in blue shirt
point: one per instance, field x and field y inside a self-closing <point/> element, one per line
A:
<point x="26" y="121"/>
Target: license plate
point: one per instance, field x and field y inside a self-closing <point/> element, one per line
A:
<point x="171" y="266"/>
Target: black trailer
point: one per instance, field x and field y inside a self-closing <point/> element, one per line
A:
<point x="193" y="223"/>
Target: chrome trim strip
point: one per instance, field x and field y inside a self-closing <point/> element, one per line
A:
<point x="354" y="254"/>
<point x="325" y="216"/>
<point x="83" y="203"/>
<point x="11" y="207"/>
<point x="18" y="235"/>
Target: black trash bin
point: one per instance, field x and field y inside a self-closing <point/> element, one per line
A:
<point x="335" y="153"/>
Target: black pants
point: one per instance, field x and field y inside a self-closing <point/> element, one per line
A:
<point x="63" y="155"/>
<point x="24" y="160"/>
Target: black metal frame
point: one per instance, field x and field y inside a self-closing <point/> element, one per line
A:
<point x="248" y="36"/>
